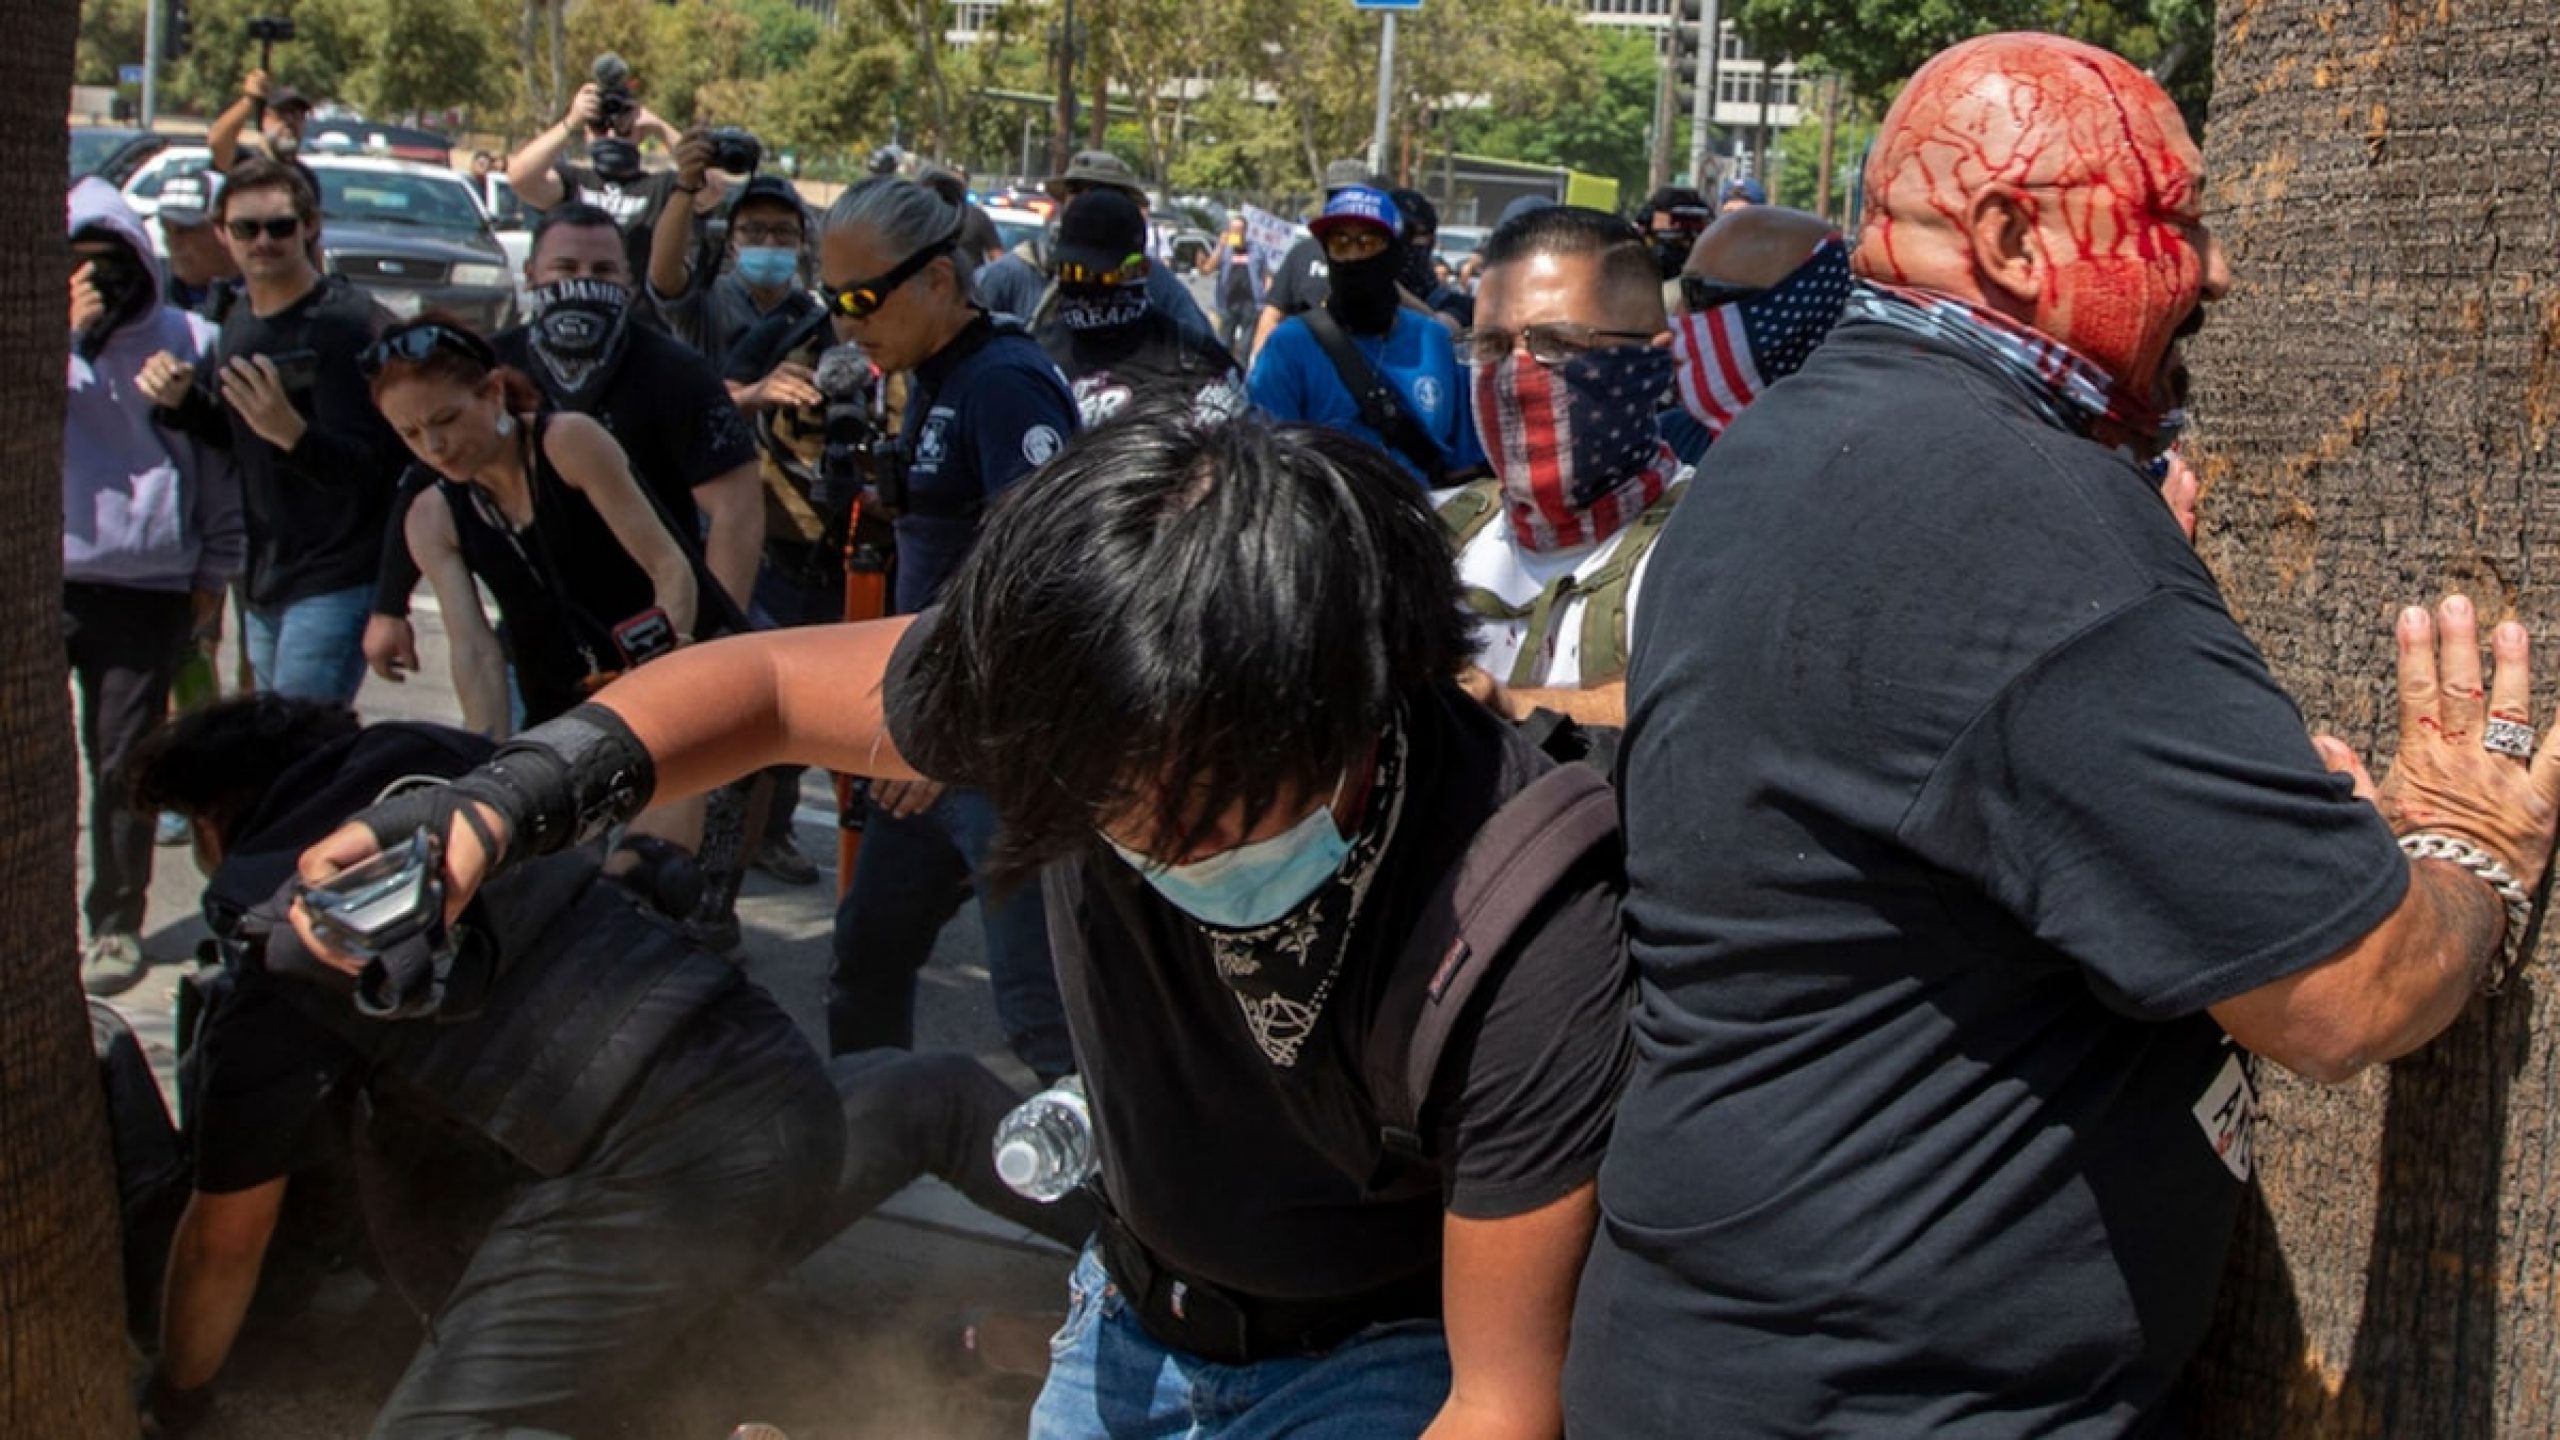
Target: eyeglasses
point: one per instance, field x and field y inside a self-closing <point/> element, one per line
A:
<point x="277" y="227"/>
<point x="416" y="342"/>
<point x="787" y="235"/>
<point x="1701" y="293"/>
<point x="1355" y="243"/>
<point x="1130" y="270"/>
<point x="1551" y="344"/>
<point x="863" y="298"/>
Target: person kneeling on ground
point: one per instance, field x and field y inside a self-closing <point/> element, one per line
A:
<point x="1206" y="671"/>
<point x="654" y="1136"/>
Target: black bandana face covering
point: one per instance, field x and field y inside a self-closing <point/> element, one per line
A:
<point x="579" y="331"/>
<point x="614" y="159"/>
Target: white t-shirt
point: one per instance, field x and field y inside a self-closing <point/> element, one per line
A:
<point x="1495" y="562"/>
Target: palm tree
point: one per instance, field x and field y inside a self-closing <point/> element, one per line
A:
<point x="2378" y="401"/>
<point x="62" y="1349"/>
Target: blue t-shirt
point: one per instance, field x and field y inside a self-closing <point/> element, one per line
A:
<point x="1294" y="382"/>
<point x="985" y="411"/>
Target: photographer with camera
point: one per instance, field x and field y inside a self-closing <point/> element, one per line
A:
<point x="608" y="115"/>
<point x="282" y="393"/>
<point x="712" y="296"/>
<point x="279" y="111"/>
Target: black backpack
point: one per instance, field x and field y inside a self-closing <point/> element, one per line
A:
<point x="1508" y="872"/>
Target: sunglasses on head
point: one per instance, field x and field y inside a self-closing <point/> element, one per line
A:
<point x="277" y="227"/>
<point x="1130" y="270"/>
<point x="417" y="342"/>
<point x="863" y="298"/>
<point x="1700" y="293"/>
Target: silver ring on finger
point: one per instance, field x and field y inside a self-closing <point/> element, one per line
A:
<point x="2508" y="737"/>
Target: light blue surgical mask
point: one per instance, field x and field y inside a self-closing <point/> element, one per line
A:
<point x="1252" y="884"/>
<point x="768" y="267"/>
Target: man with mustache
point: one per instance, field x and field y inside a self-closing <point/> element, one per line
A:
<point x="1974" y="855"/>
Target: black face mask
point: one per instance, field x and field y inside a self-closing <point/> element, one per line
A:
<point x="123" y="287"/>
<point x="1671" y="256"/>
<point x="579" y="331"/>
<point x="1089" y="308"/>
<point x="614" y="159"/>
<point x="1418" y="276"/>
<point x="1362" y="293"/>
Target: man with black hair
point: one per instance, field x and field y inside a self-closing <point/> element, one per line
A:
<point x="1422" y="277"/>
<point x="1103" y="330"/>
<point x="1567" y="366"/>
<point x="587" y="1137"/>
<point x="283" y="393"/>
<point x="1364" y="362"/>
<point x="1204" y="671"/>
<point x="689" y="447"/>
<point x="1674" y="217"/>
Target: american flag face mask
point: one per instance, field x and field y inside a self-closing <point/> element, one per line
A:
<point x="1730" y="353"/>
<point x="1574" y="445"/>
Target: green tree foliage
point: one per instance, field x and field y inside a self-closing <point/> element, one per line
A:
<point x="428" y="56"/>
<point x="1876" y="44"/>
<point x="1606" y="133"/>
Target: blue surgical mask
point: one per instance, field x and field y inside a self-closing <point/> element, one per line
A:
<point x="1252" y="884"/>
<point x="768" y="267"/>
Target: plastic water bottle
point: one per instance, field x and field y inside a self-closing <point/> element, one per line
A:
<point x="1045" y="1147"/>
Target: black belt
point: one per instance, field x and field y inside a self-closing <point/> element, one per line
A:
<point x="1218" y="1324"/>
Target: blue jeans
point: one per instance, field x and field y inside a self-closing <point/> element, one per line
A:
<point x="908" y="881"/>
<point x="1110" y="1380"/>
<point x="312" y="647"/>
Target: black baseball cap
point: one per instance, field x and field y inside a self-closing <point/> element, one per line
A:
<point x="1101" y="230"/>
<point x="770" y="187"/>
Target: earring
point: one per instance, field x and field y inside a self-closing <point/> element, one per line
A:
<point x="506" y="425"/>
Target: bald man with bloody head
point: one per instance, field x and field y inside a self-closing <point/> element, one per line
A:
<point x="1974" y="856"/>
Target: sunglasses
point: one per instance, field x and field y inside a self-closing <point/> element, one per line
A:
<point x="280" y="227"/>
<point x="1701" y="293"/>
<point x="862" y="299"/>
<point x="1355" y="243"/>
<point x="1130" y="270"/>
<point x="1547" y="344"/>
<point x="417" y="342"/>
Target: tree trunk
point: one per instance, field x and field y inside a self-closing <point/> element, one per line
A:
<point x="62" y="1347"/>
<point x="2378" y="400"/>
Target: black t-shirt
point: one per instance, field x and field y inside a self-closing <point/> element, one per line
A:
<point x="1268" y="1178"/>
<point x="315" y="513"/>
<point x="1106" y="367"/>
<point x="664" y="406"/>
<point x="1299" y="283"/>
<point x="1954" y="796"/>
<point x="634" y="204"/>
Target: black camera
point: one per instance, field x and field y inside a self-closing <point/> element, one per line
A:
<point x="734" y="150"/>
<point x="271" y="29"/>
<point x="616" y="106"/>
<point x="854" y="432"/>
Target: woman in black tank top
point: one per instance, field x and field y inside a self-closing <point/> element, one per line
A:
<point x="542" y="510"/>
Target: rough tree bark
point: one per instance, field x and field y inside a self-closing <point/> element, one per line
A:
<point x="62" y="1347"/>
<point x="2378" y="402"/>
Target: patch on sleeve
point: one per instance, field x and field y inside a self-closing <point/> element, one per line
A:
<point x="1039" y="443"/>
<point x="2229" y="1113"/>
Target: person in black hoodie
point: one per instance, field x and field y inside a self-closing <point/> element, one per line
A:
<point x="630" y="1132"/>
<point x="317" y="465"/>
<point x="1104" y="332"/>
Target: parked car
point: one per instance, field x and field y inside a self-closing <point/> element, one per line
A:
<point x="348" y="135"/>
<point x="1457" y="242"/>
<point x="93" y="145"/>
<point x="1015" y="226"/>
<point x="510" y="221"/>
<point x="416" y="236"/>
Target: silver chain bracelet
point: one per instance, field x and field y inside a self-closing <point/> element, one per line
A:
<point x="2434" y="845"/>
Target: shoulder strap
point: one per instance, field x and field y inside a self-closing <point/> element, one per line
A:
<point x="1381" y="408"/>
<point x="1605" y="614"/>
<point x="1510" y="868"/>
<point x="1468" y="509"/>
